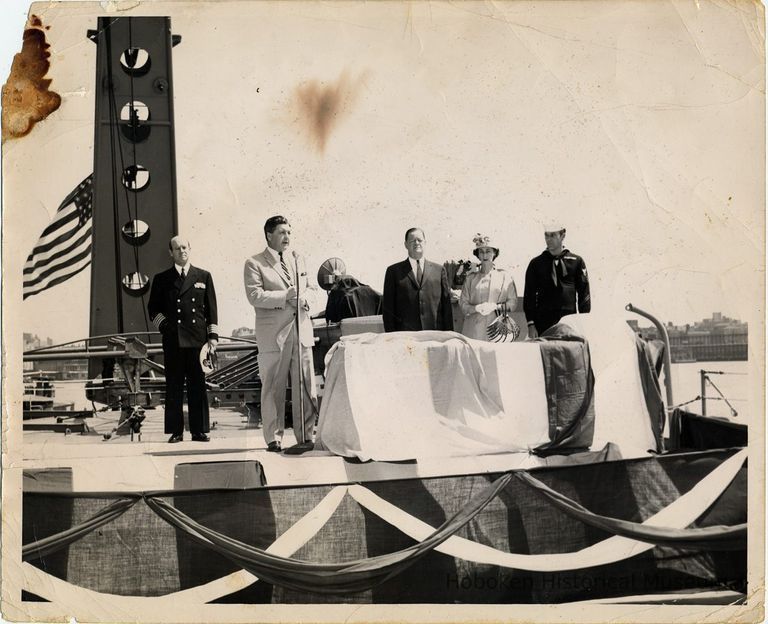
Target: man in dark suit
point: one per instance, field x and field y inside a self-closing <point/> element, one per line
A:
<point x="182" y="305"/>
<point x="417" y="295"/>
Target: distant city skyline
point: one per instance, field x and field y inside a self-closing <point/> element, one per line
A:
<point x="717" y="338"/>
<point x="716" y="318"/>
<point x="34" y="341"/>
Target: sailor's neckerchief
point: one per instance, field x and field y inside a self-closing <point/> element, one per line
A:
<point x="557" y="260"/>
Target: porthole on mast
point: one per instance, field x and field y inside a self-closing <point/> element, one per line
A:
<point x="135" y="61"/>
<point x="134" y="118"/>
<point x="136" y="232"/>
<point x="135" y="178"/>
<point x="136" y="283"/>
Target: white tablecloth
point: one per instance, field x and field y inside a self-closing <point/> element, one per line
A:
<point x="409" y="395"/>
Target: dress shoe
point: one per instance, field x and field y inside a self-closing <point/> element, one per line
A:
<point x="274" y="447"/>
<point x="200" y="437"/>
<point x="300" y="448"/>
<point x="176" y="437"/>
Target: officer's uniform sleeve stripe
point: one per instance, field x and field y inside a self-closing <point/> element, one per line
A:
<point x="157" y="321"/>
<point x="213" y="329"/>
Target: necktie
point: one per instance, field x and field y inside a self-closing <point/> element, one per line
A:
<point x="284" y="266"/>
<point x="419" y="272"/>
<point x="183" y="275"/>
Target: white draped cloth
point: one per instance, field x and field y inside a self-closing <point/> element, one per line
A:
<point x="408" y="395"/>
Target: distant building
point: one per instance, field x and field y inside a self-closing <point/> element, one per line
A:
<point x="55" y="369"/>
<point x="228" y="357"/>
<point x="711" y="340"/>
<point x="243" y="332"/>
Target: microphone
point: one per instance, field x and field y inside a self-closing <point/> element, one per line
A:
<point x="296" y="259"/>
<point x="296" y="266"/>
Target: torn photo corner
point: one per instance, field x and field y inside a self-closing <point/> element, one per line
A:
<point x="593" y="463"/>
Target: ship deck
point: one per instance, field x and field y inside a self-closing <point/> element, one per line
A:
<point x="122" y="465"/>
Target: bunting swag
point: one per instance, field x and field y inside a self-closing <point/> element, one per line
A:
<point x="52" y="543"/>
<point x="570" y="406"/>
<point x="648" y="364"/>
<point x="326" y="578"/>
<point x="710" y="490"/>
<point x="705" y="538"/>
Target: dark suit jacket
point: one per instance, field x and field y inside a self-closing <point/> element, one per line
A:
<point x="349" y="298"/>
<point x="409" y="306"/>
<point x="188" y="313"/>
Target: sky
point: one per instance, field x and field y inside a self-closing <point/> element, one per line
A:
<point x="638" y="125"/>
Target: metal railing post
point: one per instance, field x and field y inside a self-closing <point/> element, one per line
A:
<point x="667" y="351"/>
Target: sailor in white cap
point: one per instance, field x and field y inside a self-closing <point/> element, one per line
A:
<point x="556" y="283"/>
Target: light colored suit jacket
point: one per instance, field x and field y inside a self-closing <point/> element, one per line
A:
<point x="266" y="287"/>
<point x="501" y="290"/>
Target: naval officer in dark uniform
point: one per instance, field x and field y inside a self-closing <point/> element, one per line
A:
<point x="556" y="284"/>
<point x="182" y="305"/>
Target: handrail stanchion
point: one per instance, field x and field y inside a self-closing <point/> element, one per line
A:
<point x="703" y="375"/>
<point x="667" y="351"/>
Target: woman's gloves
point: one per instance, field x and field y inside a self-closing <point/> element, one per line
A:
<point x="485" y="308"/>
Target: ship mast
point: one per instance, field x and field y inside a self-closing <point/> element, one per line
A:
<point x="134" y="171"/>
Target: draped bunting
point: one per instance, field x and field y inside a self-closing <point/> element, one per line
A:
<point x="327" y="578"/>
<point x="649" y="361"/>
<point x="52" y="543"/>
<point x="570" y="404"/>
<point x="708" y="538"/>
<point x="278" y="568"/>
<point x="677" y="514"/>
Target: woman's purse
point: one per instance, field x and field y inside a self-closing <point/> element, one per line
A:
<point x="503" y="328"/>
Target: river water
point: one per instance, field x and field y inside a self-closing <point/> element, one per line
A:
<point x="734" y="385"/>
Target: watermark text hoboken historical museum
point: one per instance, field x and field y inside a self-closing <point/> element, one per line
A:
<point x="550" y="582"/>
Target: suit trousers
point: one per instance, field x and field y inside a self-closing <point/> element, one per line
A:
<point x="182" y="365"/>
<point x="275" y="367"/>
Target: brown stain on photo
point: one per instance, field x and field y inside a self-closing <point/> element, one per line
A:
<point x="321" y="107"/>
<point x="26" y="96"/>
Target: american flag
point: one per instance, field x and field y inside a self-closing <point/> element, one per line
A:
<point x="64" y="247"/>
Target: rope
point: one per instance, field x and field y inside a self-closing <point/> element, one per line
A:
<point x="697" y="398"/>
<point x="112" y="152"/>
<point x="115" y="128"/>
<point x="722" y="396"/>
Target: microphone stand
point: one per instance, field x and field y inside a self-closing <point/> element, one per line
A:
<point x="304" y="445"/>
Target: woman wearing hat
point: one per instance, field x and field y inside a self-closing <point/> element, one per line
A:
<point x="489" y="294"/>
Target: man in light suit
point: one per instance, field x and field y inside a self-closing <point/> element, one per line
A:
<point x="182" y="305"/>
<point x="417" y="295"/>
<point x="271" y="285"/>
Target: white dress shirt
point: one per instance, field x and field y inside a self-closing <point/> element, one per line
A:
<point x="415" y="263"/>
